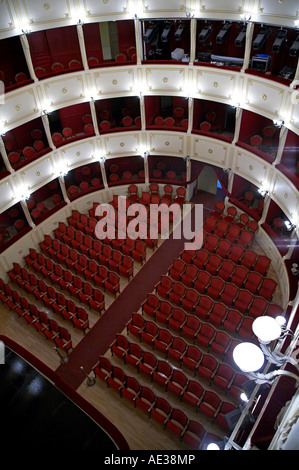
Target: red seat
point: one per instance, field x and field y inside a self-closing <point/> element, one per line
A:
<point x="135" y="325"/>
<point x="240" y="275"/>
<point x="80" y="321"/>
<point x="221" y="343"/>
<point x="149" y="333"/>
<point x="205" y="336"/>
<point x="248" y="259"/>
<point x="162" y="373"/>
<point x="163" y="340"/>
<point x="133" y="355"/>
<point x="193" y="393"/>
<point x="191" y="327"/>
<point x="223" y="248"/>
<point x="246" y="238"/>
<point x="177" y="422"/>
<point x="210" y="404"/>
<point x="226" y="270"/>
<point x="117" y="379"/>
<point x="267" y="288"/>
<point x="232" y="321"/>
<point x="215" y="288"/>
<point x="190" y="300"/>
<point x="202" y="282"/>
<point x="262" y="264"/>
<point x="245" y="330"/>
<point x="148" y="364"/>
<point x="214" y="264"/>
<point x="103" y="369"/>
<point x="177" y="383"/>
<point x="177" y="349"/>
<point x="207" y="367"/>
<point x="235" y="254"/>
<point x="177" y="293"/>
<point x="177" y="319"/>
<point x="253" y="282"/>
<point x="218" y="314"/>
<point x="151" y="305"/>
<point x="189" y="276"/>
<point x="203" y="307"/>
<point x="145" y="399"/>
<point x="120" y="346"/>
<point x="211" y="243"/>
<point x="233" y="234"/>
<point x="164" y="287"/>
<point x="235" y="387"/>
<point x="229" y="294"/>
<point x="139" y="251"/>
<point x="210" y="224"/>
<point x="221" y="229"/>
<point x="230" y="215"/>
<point x="224" y="377"/>
<point x="194" y="434"/>
<point x="177" y="269"/>
<point x="224" y="410"/>
<point x="112" y="283"/>
<point x="161" y="410"/>
<point x="243" y="301"/>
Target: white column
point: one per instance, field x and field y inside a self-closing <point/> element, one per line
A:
<point x="104" y="177"/>
<point x="249" y="34"/>
<point x="46" y="124"/>
<point x="282" y="139"/>
<point x="82" y="46"/>
<point x="4" y="156"/>
<point x="138" y="39"/>
<point x="193" y="25"/>
<point x="63" y="188"/>
<point x="94" y="117"/>
<point x="26" y="49"/>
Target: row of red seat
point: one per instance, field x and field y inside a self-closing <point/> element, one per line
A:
<point x="69" y="257"/>
<point x="207" y="308"/>
<point x="214" y="339"/>
<point x="36" y="318"/>
<point x="63" y="278"/>
<point x="202" y="364"/>
<point x="107" y="256"/>
<point x="87" y="225"/>
<point x="51" y="298"/>
<point x="234" y="324"/>
<point x="231" y="256"/>
<point x="158" y="407"/>
<point x="215" y="287"/>
<point x="163" y="373"/>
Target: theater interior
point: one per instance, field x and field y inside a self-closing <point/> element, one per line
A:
<point x="142" y="342"/>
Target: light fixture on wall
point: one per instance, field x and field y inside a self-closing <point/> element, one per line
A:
<point x="250" y="357"/>
<point x="278" y="122"/>
<point x="289" y="225"/>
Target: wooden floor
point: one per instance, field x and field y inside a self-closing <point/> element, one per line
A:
<point x="140" y="432"/>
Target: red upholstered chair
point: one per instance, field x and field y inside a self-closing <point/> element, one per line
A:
<point x="157" y="174"/>
<point x="38" y="145"/>
<point x="191" y="327"/>
<point x="21" y="77"/>
<point x="201" y="259"/>
<point x="177" y="292"/>
<point x="235" y="388"/>
<point x="150" y="333"/>
<point x="105" y="125"/>
<point x="145" y="399"/>
<point x="163" y="312"/>
<point x="225" y="408"/>
<point x="205" y="126"/>
<point x="120" y="346"/>
<point x="253" y="282"/>
<point x="169" y="121"/>
<point x="112" y="283"/>
<point x="245" y="330"/>
<point x="243" y="301"/>
<point x="194" y="434"/>
<point x="210" y="404"/>
<point x="203" y="307"/>
<point x="162" y="373"/>
<point x="218" y="211"/>
<point x="14" y="158"/>
<point x="193" y="394"/>
<point x="190" y="300"/>
<point x="240" y="275"/>
<point x="207" y="367"/>
<point x="202" y="282"/>
<point x="161" y="410"/>
<point x="242" y="221"/>
<point x="231" y="215"/>
<point x="262" y="265"/>
<point x="267" y="288"/>
<point x="57" y="138"/>
<point x="210" y="224"/>
<point x="151" y="305"/>
<point x="248" y="259"/>
<point x="246" y="238"/>
<point x="19" y="224"/>
<point x="220" y="344"/>
<point x="133" y="355"/>
<point x="163" y="340"/>
<point x="214" y="264"/>
<point x="235" y="254"/>
<point x="177" y="349"/>
<point x="192" y="358"/>
<point x="184" y="123"/>
<point x="178" y="422"/>
<point x="215" y="288"/>
<point x="74" y="64"/>
<point x="217" y="314"/>
<point x="57" y="67"/>
<point x="127" y="121"/>
<point x="159" y="121"/>
<point x="120" y="57"/>
<point x="103" y="369"/>
<point x="177" y="270"/>
<point x="256" y="141"/>
<point x="258" y="307"/>
<point x="232" y="321"/>
<point x="139" y="251"/>
<point x="148" y="364"/>
<point x="88" y="128"/>
<point x="67" y="132"/>
<point x="233" y="233"/>
<point x="168" y="191"/>
<point x="40" y="72"/>
<point x="226" y="270"/>
<point x="189" y="275"/>
<point x="92" y="61"/>
<point x="117" y="379"/>
<point x="211" y="243"/>
<point x="177" y="383"/>
<point x="206" y="335"/>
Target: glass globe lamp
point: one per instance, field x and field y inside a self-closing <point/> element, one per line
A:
<point x="248" y="357"/>
<point x="266" y="329"/>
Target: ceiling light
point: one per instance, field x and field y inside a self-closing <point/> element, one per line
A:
<point x="266" y="328"/>
<point x="248" y="357"/>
